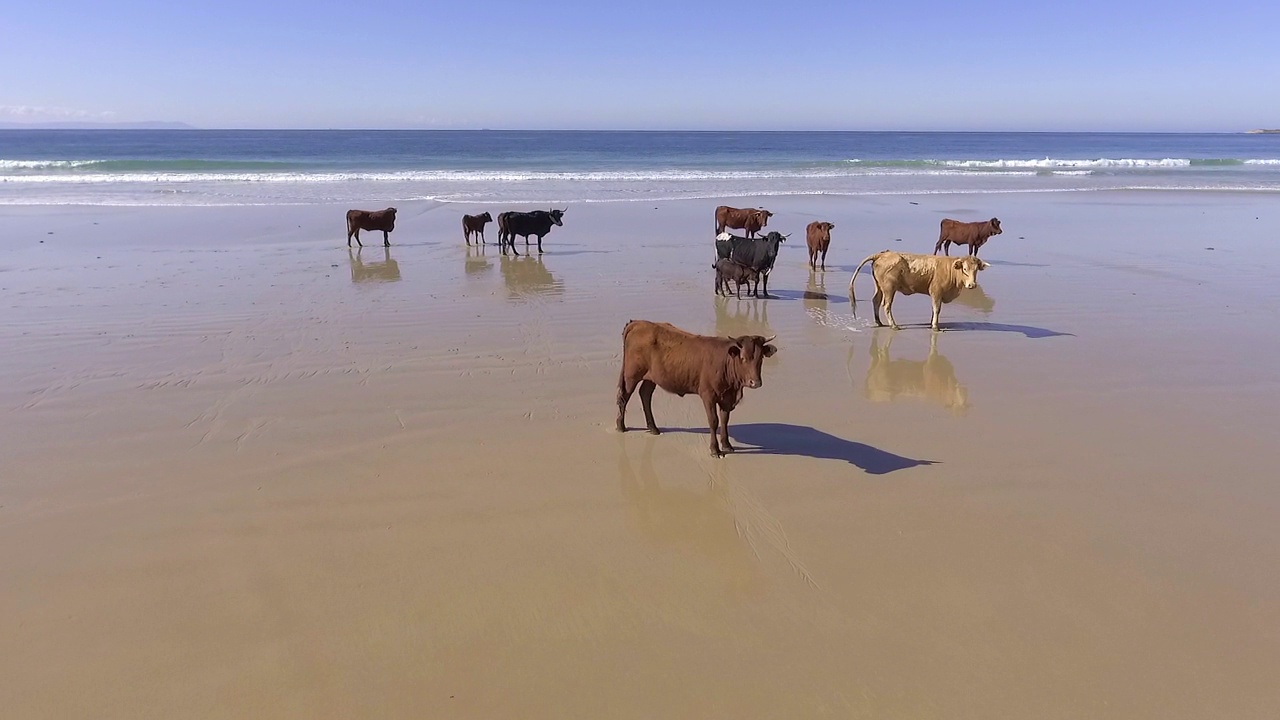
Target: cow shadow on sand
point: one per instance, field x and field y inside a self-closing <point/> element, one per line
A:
<point x="1029" y="331"/>
<point x="804" y="441"/>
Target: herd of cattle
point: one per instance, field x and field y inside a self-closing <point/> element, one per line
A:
<point x="660" y="355"/>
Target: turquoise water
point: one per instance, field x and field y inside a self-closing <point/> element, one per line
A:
<point x="168" y="167"/>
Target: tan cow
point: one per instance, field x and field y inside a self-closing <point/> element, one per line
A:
<point x="661" y="355"/>
<point x="941" y="277"/>
<point x="818" y="235"/>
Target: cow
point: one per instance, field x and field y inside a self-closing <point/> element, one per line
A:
<point x="973" y="234"/>
<point x="933" y="378"/>
<point x="474" y="224"/>
<point x="818" y="236"/>
<point x="941" y="277"/>
<point x="717" y="369"/>
<point x="752" y="220"/>
<point x="371" y="220"/>
<point x="538" y="222"/>
<point x="728" y="270"/>
<point x="759" y="254"/>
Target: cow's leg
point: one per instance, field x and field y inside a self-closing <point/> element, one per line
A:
<point x="938" y="248"/>
<point x="646" y="401"/>
<point x="626" y="386"/>
<point x="357" y="239"/>
<point x="877" y="301"/>
<point x="937" y="312"/>
<point x="725" y="445"/>
<point x="766" y="284"/>
<point x="386" y="239"/>
<point x="482" y="240"/>
<point x="713" y="420"/>
<point x="824" y="260"/>
<point x="539" y="244"/>
<point x="888" y="309"/>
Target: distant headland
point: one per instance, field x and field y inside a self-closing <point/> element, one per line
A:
<point x="1271" y="131"/>
<point x="75" y="125"/>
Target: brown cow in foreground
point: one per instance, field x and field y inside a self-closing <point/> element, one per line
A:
<point x="371" y="220"/>
<point x="818" y="235"/>
<point x="973" y="234"/>
<point x="941" y="277"/>
<point x="475" y="224"/>
<point x="717" y="369"/>
<point x="751" y="220"/>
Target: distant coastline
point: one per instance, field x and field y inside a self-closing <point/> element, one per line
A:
<point x="1266" y="131"/>
<point x="153" y="125"/>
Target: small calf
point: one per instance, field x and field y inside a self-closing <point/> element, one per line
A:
<point x="818" y="235"/>
<point x="474" y="224"/>
<point x="728" y="270"/>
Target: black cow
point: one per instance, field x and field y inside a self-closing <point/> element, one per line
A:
<point x="538" y="222"/>
<point x="758" y="254"/>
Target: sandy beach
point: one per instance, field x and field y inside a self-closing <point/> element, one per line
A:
<point x="250" y="473"/>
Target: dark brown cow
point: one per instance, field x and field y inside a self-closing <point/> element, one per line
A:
<point x="371" y="220"/>
<point x="818" y="235"/>
<point x="751" y="220"/>
<point x="973" y="234"/>
<point x="475" y="224"/>
<point x="717" y="369"/>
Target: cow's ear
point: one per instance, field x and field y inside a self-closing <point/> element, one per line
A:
<point x="959" y="264"/>
<point x="735" y="350"/>
<point x="769" y="350"/>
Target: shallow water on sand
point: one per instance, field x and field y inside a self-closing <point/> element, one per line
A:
<point x="241" y="458"/>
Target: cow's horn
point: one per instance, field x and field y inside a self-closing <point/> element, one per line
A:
<point x="770" y="338"/>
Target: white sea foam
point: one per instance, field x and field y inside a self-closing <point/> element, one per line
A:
<point x="43" y="164"/>
<point x="1049" y="163"/>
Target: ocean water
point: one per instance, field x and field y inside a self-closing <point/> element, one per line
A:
<point x="248" y="167"/>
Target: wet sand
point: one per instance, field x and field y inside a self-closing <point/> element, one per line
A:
<point x="250" y="473"/>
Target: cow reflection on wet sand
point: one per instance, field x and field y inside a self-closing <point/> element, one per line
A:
<point x="681" y="515"/>
<point x="978" y="299"/>
<point x="476" y="262"/>
<point x="932" y="379"/>
<point x="384" y="270"/>
<point x="748" y="316"/>
<point x="527" y="275"/>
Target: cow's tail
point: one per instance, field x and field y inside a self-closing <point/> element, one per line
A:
<point x="858" y="270"/>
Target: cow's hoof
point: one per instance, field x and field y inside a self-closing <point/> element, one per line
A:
<point x="716" y="453"/>
<point x="654" y="431"/>
<point x="622" y="428"/>
<point x="726" y="447"/>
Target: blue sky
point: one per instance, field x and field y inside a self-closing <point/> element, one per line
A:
<point x="907" y="65"/>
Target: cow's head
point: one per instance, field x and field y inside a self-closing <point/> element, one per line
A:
<point x="764" y="216"/>
<point x="830" y="226"/>
<point x="748" y="353"/>
<point x="995" y="226"/>
<point x="557" y="216"/>
<point x="967" y="269"/>
<point x="486" y="217"/>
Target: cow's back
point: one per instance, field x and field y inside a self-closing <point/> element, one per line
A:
<point x="673" y="358"/>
